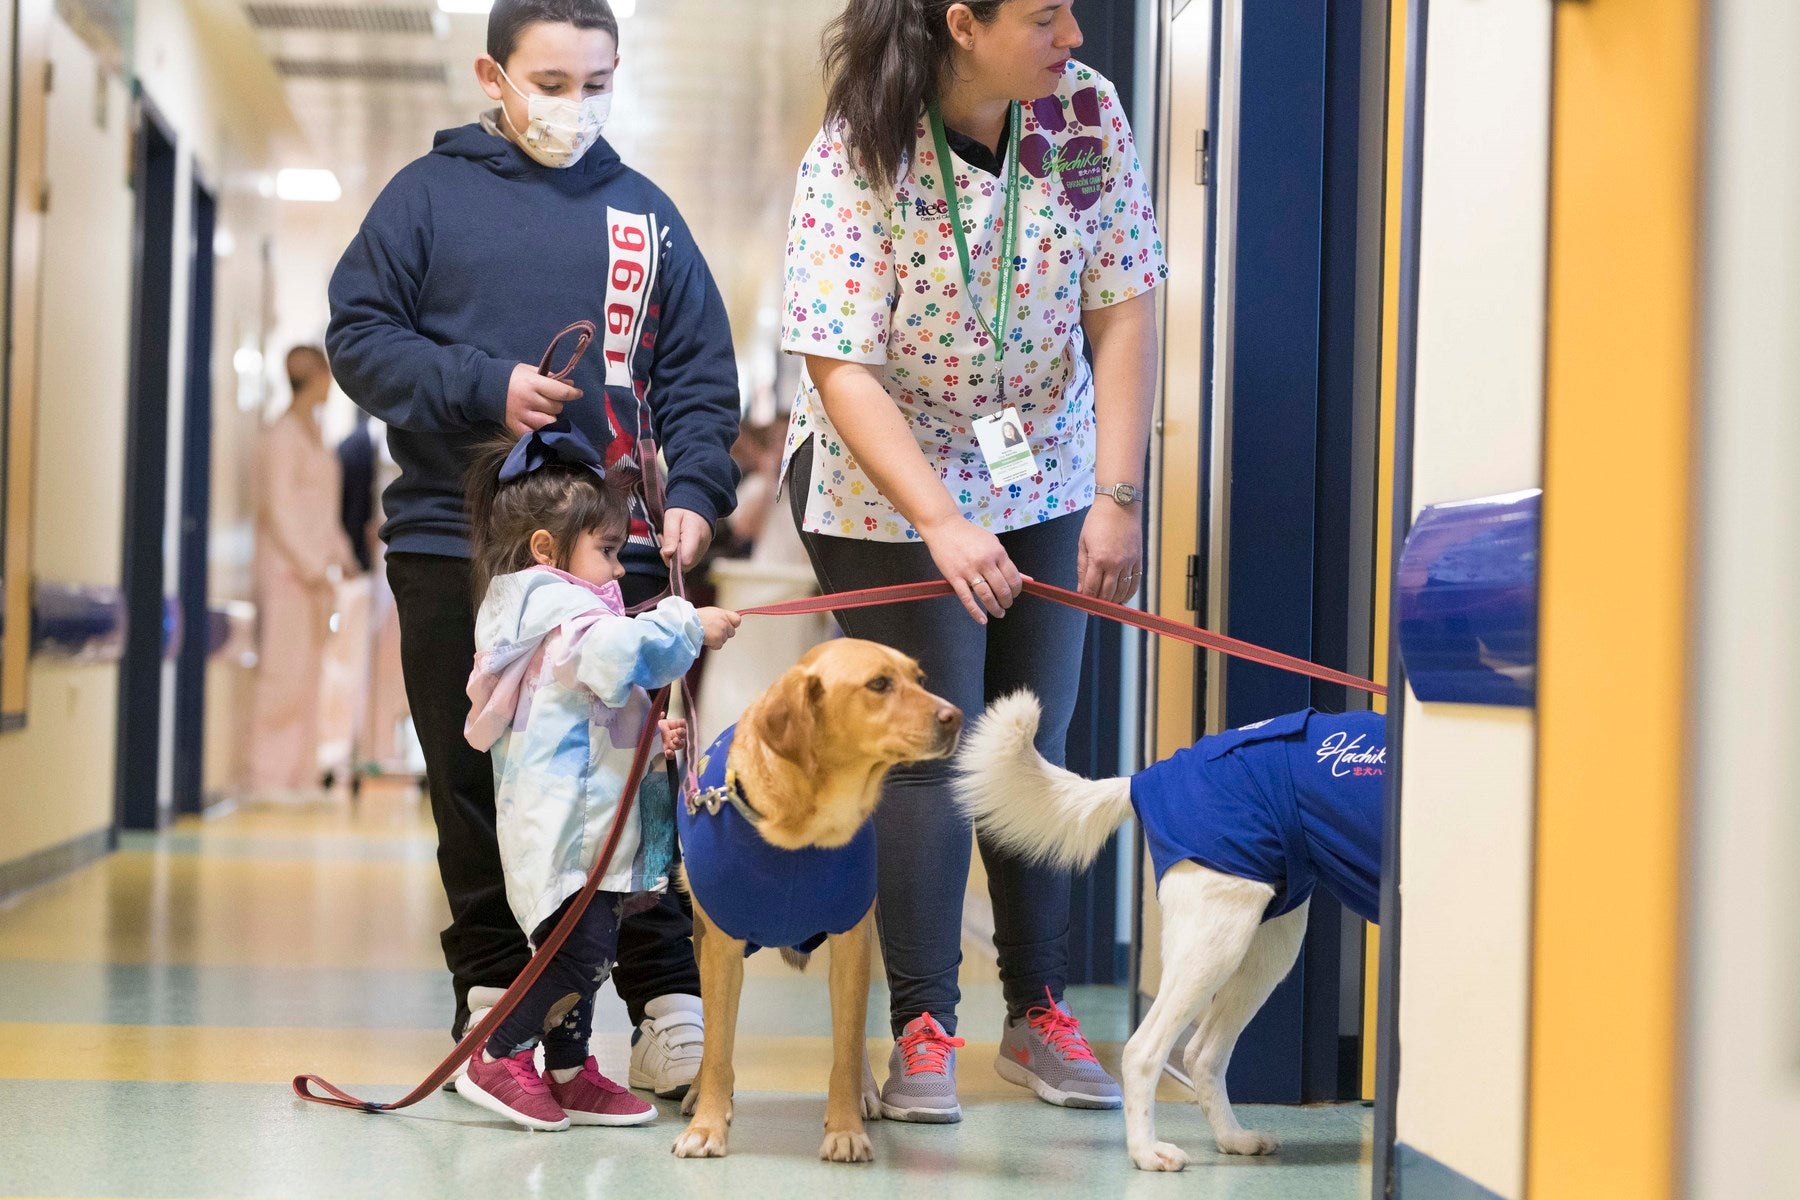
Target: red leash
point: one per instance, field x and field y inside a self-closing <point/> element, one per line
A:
<point x="1161" y="626"/>
<point x="474" y="1039"/>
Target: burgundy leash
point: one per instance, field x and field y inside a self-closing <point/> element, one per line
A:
<point x="1150" y="622"/>
<point x="476" y="1038"/>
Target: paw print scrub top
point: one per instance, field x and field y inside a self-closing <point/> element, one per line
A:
<point x="874" y="276"/>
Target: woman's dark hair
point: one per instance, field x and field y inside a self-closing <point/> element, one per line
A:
<point x="565" y="500"/>
<point x="508" y="19"/>
<point x="883" y="58"/>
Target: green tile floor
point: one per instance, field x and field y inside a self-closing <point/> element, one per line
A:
<point x="153" y="1005"/>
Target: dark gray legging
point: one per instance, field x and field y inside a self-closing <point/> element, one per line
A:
<point x="924" y="841"/>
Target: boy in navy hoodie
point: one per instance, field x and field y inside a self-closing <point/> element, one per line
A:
<point x="471" y="260"/>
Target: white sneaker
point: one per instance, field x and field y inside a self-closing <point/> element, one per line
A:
<point x="666" y="1056"/>
<point x="482" y="1001"/>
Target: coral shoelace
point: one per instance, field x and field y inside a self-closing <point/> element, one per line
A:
<point x="1061" y="1030"/>
<point x="524" y="1073"/>
<point x="928" y="1050"/>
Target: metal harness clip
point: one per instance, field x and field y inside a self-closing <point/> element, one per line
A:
<point x="710" y="799"/>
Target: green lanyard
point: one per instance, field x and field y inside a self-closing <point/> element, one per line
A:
<point x="1009" y="242"/>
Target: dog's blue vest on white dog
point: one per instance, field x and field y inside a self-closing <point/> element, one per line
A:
<point x="761" y="894"/>
<point x="1292" y="802"/>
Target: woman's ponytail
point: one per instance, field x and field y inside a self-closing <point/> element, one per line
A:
<point x="882" y="62"/>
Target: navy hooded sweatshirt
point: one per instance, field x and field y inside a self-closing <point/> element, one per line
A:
<point x="471" y="260"/>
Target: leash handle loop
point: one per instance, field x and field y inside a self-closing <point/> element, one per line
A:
<point x="584" y="337"/>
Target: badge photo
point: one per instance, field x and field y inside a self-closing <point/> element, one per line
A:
<point x="1005" y="446"/>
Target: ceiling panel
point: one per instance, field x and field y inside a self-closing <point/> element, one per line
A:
<point x="716" y="101"/>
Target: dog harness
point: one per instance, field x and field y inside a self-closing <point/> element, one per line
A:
<point x="1292" y="802"/>
<point x="760" y="894"/>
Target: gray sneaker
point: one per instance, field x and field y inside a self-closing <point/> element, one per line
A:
<point x="1047" y="1053"/>
<point x="921" y="1082"/>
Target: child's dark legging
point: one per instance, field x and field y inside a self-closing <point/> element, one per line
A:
<point x="559" y="1008"/>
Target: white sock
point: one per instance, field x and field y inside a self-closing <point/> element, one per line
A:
<point x="485" y="1056"/>
<point x="566" y="1074"/>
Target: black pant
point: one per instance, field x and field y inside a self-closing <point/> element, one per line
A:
<point x="483" y="947"/>
<point x="923" y="866"/>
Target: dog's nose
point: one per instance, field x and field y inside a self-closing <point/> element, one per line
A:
<point x="950" y="722"/>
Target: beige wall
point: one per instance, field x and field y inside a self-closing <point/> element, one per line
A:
<point x="1466" y="824"/>
<point x="1740" y="1113"/>
<point x="59" y="769"/>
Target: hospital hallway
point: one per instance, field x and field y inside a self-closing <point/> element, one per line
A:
<point x="1369" y="427"/>
<point x="154" y="1006"/>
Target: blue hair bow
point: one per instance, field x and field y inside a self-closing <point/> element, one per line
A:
<point x="555" y="444"/>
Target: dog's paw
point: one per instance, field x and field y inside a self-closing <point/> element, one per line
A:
<point x="700" y="1141"/>
<point x="1160" y="1156"/>
<point x="1248" y="1141"/>
<point x="871" y="1094"/>
<point x="847" y="1147"/>
<point x="692" y="1099"/>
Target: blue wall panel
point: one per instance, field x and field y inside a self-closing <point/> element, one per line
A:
<point x="1291" y="467"/>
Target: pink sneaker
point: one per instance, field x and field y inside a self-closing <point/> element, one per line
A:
<point x="513" y="1088"/>
<point x="592" y="1099"/>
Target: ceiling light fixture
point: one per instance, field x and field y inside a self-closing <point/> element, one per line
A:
<point x="307" y="183"/>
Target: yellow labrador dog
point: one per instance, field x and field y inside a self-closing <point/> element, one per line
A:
<point x="780" y="852"/>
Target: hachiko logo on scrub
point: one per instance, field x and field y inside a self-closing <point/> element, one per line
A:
<point x="1346" y="756"/>
<point x="1080" y="162"/>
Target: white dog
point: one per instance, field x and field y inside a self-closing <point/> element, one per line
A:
<point x="1240" y="828"/>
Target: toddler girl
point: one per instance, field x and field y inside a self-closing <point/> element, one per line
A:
<point x="558" y="698"/>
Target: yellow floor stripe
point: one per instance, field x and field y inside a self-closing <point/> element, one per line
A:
<point x="394" y="1060"/>
<point x="383" y="818"/>
<point x="143" y="907"/>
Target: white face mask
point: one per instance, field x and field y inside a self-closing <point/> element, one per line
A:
<point x="559" y="131"/>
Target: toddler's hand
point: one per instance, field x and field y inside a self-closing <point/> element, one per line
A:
<point x="718" y="624"/>
<point x="674" y="735"/>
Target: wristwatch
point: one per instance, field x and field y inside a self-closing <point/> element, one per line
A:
<point x="1124" y="493"/>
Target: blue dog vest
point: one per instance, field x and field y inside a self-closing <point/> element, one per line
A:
<point x="1291" y="802"/>
<point x="761" y="894"/>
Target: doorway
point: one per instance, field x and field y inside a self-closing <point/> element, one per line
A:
<point x="146" y="473"/>
<point x="191" y="584"/>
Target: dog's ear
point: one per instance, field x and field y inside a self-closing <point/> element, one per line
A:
<point x="788" y="718"/>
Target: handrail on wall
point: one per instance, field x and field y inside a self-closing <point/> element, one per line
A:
<point x="85" y="623"/>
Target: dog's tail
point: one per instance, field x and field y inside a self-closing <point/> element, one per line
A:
<point x="1016" y="797"/>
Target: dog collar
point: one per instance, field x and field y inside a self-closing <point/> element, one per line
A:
<point x="731" y="793"/>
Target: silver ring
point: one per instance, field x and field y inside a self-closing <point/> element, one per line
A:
<point x="975" y="583"/>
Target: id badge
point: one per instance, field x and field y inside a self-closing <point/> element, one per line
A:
<point x="1004" y="445"/>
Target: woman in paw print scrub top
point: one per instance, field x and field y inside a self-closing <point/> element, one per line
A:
<point x="973" y="214"/>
